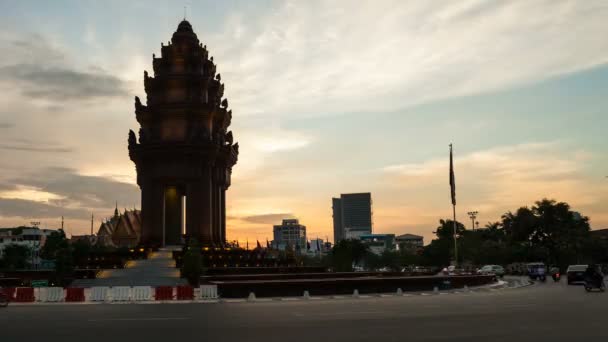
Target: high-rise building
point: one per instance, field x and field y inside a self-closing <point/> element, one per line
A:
<point x="352" y="215"/>
<point x="290" y="233"/>
<point x="336" y="205"/>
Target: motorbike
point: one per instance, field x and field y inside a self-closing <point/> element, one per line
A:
<point x="591" y="284"/>
<point x="3" y="299"/>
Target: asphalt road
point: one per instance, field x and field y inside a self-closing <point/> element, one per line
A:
<point x="544" y="312"/>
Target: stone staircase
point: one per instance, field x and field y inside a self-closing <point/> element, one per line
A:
<point x="158" y="270"/>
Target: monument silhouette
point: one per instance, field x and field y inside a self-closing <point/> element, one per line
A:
<point x="185" y="153"/>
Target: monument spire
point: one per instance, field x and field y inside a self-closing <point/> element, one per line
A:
<point x="184" y="146"/>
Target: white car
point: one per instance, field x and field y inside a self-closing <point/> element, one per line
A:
<point x="492" y="269"/>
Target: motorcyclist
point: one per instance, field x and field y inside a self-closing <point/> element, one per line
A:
<point x="3" y="298"/>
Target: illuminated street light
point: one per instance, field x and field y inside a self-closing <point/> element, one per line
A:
<point x="473" y="216"/>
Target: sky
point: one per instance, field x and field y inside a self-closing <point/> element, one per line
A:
<point x="328" y="97"/>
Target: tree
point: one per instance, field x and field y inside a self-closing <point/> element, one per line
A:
<point x="548" y="231"/>
<point x="16" y="256"/>
<point x="53" y="244"/>
<point x="193" y="263"/>
<point x="64" y="264"/>
<point x="346" y="253"/>
<point x="560" y="231"/>
<point x="446" y="229"/>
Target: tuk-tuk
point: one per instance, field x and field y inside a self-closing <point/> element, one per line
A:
<point x="537" y="271"/>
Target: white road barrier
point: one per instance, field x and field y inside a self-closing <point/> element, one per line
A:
<point x="141" y="293"/>
<point x="99" y="293"/>
<point x="120" y="293"/>
<point x="208" y="292"/>
<point x="50" y="294"/>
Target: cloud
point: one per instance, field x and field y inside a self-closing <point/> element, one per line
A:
<point x="45" y="149"/>
<point x="503" y="178"/>
<point x="311" y="58"/>
<point x="73" y="190"/>
<point x="62" y="84"/>
<point x="12" y="207"/>
<point x="267" y="218"/>
<point x="40" y="69"/>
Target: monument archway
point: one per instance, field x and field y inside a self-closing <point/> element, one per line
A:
<point x="183" y="153"/>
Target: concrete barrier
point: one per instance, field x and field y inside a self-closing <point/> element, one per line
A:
<point x="25" y="295"/>
<point x="209" y="292"/>
<point x="74" y="294"/>
<point x="50" y="294"/>
<point x="141" y="293"/>
<point x="185" y="292"/>
<point x="120" y="293"/>
<point x="163" y="293"/>
<point x="343" y="286"/>
<point x="99" y="293"/>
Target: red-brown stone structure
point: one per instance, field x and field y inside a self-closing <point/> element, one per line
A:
<point x="185" y="153"/>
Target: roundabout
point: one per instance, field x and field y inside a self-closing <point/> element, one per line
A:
<point x="510" y="311"/>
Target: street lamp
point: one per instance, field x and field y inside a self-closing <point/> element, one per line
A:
<point x="473" y="216"/>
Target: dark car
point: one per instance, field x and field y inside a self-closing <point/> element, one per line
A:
<point x="576" y="274"/>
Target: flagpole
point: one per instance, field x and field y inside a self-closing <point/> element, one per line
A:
<point x="453" y="195"/>
<point x="455" y="243"/>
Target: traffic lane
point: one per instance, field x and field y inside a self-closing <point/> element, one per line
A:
<point x="536" y="313"/>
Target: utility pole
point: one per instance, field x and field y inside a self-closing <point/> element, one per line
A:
<point x="473" y="216"/>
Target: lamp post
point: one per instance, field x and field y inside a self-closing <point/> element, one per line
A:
<point x="473" y="216"/>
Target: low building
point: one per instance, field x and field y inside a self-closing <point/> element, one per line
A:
<point x="31" y="237"/>
<point x="289" y="234"/>
<point x="318" y="246"/>
<point x="379" y="243"/>
<point x="409" y="242"/>
<point x="600" y="234"/>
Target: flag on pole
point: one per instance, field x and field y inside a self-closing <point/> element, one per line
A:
<point x="452" y="179"/>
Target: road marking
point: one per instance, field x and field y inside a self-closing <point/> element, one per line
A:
<point x="235" y="300"/>
<point x="345" y="313"/>
<point x="140" y="319"/>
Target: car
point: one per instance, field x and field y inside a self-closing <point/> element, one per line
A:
<point x="492" y="269"/>
<point x="576" y="274"/>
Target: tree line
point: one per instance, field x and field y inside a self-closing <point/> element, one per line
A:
<point x="548" y="231"/>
